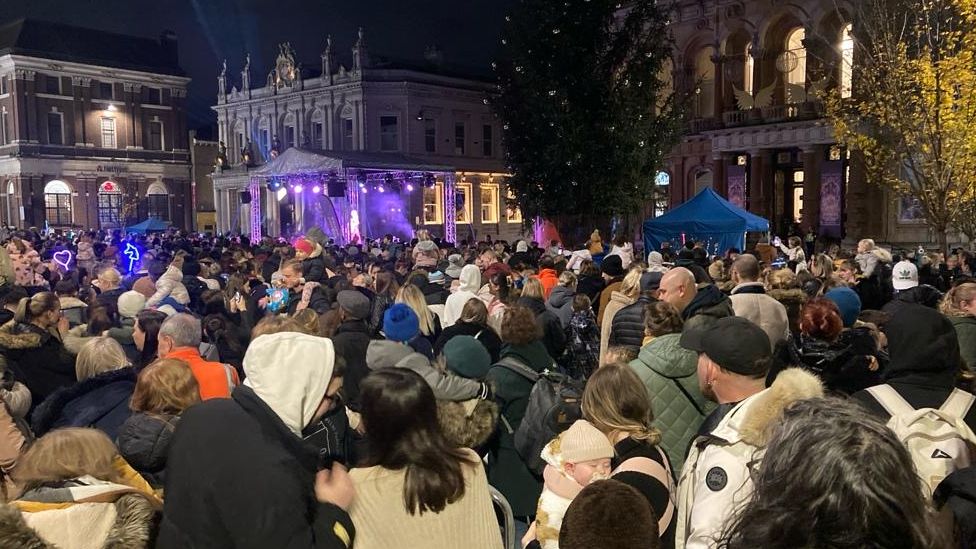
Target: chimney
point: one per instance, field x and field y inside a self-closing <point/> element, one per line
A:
<point x="170" y="47"/>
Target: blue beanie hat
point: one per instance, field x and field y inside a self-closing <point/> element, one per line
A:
<point x="400" y="323"/>
<point x="847" y="302"/>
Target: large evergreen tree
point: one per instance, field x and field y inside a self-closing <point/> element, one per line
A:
<point x="587" y="115"/>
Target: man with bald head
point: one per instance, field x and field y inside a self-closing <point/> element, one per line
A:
<point x="749" y="300"/>
<point x="696" y="305"/>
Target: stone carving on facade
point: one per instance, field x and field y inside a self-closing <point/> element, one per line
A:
<point x="246" y="153"/>
<point x="286" y="70"/>
<point x="220" y="162"/>
<point x="82" y="81"/>
<point x="275" y="147"/>
<point x="246" y="73"/>
<point x="222" y="81"/>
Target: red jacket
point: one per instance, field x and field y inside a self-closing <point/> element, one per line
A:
<point x="549" y="280"/>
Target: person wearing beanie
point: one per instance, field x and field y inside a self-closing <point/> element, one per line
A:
<point x="904" y="278"/>
<point x="613" y="274"/>
<point x="925" y="361"/>
<point x="454" y="264"/>
<point x="576" y="458"/>
<point x="655" y="263"/>
<point x="848" y="304"/>
<point x="313" y="264"/>
<point x="470" y="423"/>
<point x="401" y="324"/>
<point x="351" y="339"/>
<point x="610" y="515"/>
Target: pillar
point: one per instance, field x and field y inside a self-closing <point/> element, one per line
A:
<point x="718" y="99"/>
<point x="757" y="195"/>
<point x="719" y="180"/>
<point x="812" y="158"/>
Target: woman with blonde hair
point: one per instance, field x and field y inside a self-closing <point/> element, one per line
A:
<point x="430" y="325"/>
<point x="65" y="470"/>
<point x="553" y="334"/>
<point x="617" y="404"/>
<point x="425" y="253"/>
<point x="959" y="305"/>
<point x="100" y="399"/>
<point x="164" y="390"/>
<point x="626" y="295"/>
<point x="32" y="345"/>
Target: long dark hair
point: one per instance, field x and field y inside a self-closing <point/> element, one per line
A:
<point x="149" y="322"/>
<point x="501" y="280"/>
<point x="833" y="476"/>
<point x="400" y="414"/>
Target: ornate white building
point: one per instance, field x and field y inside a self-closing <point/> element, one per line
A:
<point x="365" y="132"/>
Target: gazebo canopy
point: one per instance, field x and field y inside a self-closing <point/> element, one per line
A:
<point x="302" y="161"/>
<point x="707" y="217"/>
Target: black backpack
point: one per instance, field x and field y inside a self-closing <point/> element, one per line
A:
<point x="554" y="405"/>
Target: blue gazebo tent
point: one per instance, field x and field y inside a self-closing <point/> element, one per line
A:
<point x="150" y="225"/>
<point x="708" y="218"/>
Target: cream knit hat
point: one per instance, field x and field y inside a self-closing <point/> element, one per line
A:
<point x="584" y="442"/>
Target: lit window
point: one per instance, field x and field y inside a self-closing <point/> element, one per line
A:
<point x="748" y="67"/>
<point x="798" y="204"/>
<point x="389" y="134"/>
<point x="489" y="203"/>
<point x="108" y="133"/>
<point x="795" y="58"/>
<point x="462" y="203"/>
<point x="57" y="203"/>
<point x="705" y="75"/>
<point x="109" y="205"/>
<point x="662" y="186"/>
<point x="846" y="63"/>
<point x="157" y="201"/>
<point x="434" y="204"/>
<point x="513" y="214"/>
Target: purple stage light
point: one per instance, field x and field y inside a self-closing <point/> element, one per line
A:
<point x="381" y="189"/>
<point x="409" y="187"/>
<point x="298" y="188"/>
<point x="316" y="189"/>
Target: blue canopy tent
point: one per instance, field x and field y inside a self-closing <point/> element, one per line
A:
<point x="708" y="218"/>
<point x="150" y="225"/>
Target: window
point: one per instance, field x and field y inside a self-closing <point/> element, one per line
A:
<point x="459" y="138"/>
<point x="462" y="203"/>
<point x="5" y="136"/>
<point x="434" y="204"/>
<point x="289" y="137"/>
<point x="795" y="59"/>
<point x="265" y="142"/>
<point x="512" y="212"/>
<point x="389" y="138"/>
<point x="430" y="135"/>
<point x="662" y="185"/>
<point x="155" y="141"/>
<point x="748" y="68"/>
<point x="317" y="134"/>
<point x="347" y="137"/>
<point x="154" y="96"/>
<point x="105" y="90"/>
<point x="487" y="141"/>
<point x="704" y="101"/>
<point x="108" y="133"/>
<point x="109" y="205"/>
<point x="489" y="203"/>
<point x="846" y="63"/>
<point x="157" y="199"/>
<point x="53" y="85"/>
<point x="3" y="85"/>
<point x="57" y="203"/>
<point x="12" y="208"/>
<point x="55" y="128"/>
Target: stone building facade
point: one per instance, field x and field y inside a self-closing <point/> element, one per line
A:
<point x="384" y="114"/>
<point x="92" y="128"/>
<point x="757" y="134"/>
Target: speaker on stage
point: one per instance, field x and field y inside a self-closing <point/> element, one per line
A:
<point x="336" y="188"/>
<point x="245" y="197"/>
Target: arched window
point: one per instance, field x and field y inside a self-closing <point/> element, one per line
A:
<point x="291" y="131"/>
<point x="264" y="135"/>
<point x="317" y="128"/>
<point x="795" y="58"/>
<point x="846" y="62"/>
<point x="748" y="68"/>
<point x="157" y="201"/>
<point x="11" y="204"/>
<point x="57" y="203"/>
<point x="662" y="188"/>
<point x="703" y="180"/>
<point x="705" y="77"/>
<point x="109" y="205"/>
<point x="240" y="138"/>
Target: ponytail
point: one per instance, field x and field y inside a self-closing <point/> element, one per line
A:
<point x="30" y="308"/>
<point x="23" y="310"/>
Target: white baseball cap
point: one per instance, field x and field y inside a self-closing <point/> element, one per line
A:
<point x="904" y="275"/>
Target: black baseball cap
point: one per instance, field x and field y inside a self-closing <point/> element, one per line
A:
<point x="734" y="343"/>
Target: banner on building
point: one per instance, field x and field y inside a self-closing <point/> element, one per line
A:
<point x="736" y="184"/>
<point x="832" y="198"/>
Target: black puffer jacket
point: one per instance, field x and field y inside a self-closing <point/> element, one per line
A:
<point x="37" y="358"/>
<point x="553" y="335"/>
<point x="919" y="295"/>
<point x="844" y="365"/>
<point x="627" y="328"/>
<point x="144" y="442"/>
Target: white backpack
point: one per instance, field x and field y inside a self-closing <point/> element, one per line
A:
<point x="939" y="440"/>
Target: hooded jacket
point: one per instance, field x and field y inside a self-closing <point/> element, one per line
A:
<point x="101" y="401"/>
<point x="560" y="303"/>
<point x="37" y="358"/>
<point x="470" y="284"/>
<point x="170" y="284"/>
<point x="426" y="254"/>
<point x="239" y="473"/>
<point x="716" y="479"/>
<point x="391" y="354"/>
<point x="655" y="263"/>
<point x="553" y="335"/>
<point x="144" y="441"/>
<point x="920" y="295"/>
<point x="670" y="375"/>
<point x="549" y="279"/>
<point x="709" y="304"/>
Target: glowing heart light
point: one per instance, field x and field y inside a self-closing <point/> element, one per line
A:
<point x="63" y="258"/>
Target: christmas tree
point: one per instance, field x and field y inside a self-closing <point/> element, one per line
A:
<point x="587" y="113"/>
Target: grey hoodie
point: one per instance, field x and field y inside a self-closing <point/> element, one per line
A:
<point x="561" y="304"/>
<point x="391" y="354"/>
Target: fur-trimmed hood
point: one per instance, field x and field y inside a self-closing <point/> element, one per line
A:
<point x="751" y="422"/>
<point x="20" y="336"/>
<point x="49" y="412"/>
<point x="795" y="296"/>
<point x="467" y="424"/>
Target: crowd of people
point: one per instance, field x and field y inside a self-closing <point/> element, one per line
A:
<point x="226" y="393"/>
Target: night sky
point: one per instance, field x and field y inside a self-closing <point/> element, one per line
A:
<point x="467" y="31"/>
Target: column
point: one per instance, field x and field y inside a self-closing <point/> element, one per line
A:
<point x="719" y="180"/>
<point x="450" y="222"/>
<point x="255" y="189"/>
<point x="757" y="196"/>
<point x="718" y="100"/>
<point x="812" y="158"/>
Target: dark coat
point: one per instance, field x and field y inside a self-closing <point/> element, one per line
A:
<point x="238" y="477"/>
<point x="144" y="441"/>
<point x="110" y="298"/>
<point x="843" y="365"/>
<point x="434" y="294"/>
<point x="378" y="306"/>
<point x="561" y="304"/>
<point x="506" y="470"/>
<point x="657" y="494"/>
<point x="195" y="288"/>
<point x="553" y="335"/>
<point x="37" y="358"/>
<point x="313" y="266"/>
<point x="318" y="301"/>
<point x="484" y="334"/>
<point x="591" y="286"/>
<point x="709" y="304"/>
<point x="627" y="328"/>
<point x="101" y="401"/>
<point x="919" y="295"/>
<point x="351" y="341"/>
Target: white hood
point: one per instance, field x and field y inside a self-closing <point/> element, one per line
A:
<point x="290" y="372"/>
<point x="470" y="279"/>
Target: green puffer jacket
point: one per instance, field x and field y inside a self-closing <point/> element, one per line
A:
<point x="666" y="368"/>
<point x="966" y="332"/>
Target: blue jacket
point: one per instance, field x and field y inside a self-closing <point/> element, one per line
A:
<point x="101" y="402"/>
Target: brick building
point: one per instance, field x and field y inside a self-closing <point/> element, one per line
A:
<point x="92" y="128"/>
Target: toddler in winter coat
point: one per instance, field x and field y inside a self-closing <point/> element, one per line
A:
<point x="575" y="458"/>
<point x="584" y="339"/>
